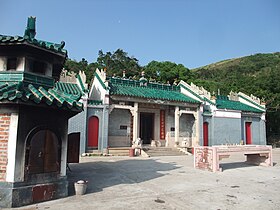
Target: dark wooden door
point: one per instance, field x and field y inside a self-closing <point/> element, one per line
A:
<point x="205" y="134"/>
<point x="146" y="127"/>
<point x="51" y="152"/>
<point x="93" y="127"/>
<point x="43" y="153"/>
<point x="73" y="149"/>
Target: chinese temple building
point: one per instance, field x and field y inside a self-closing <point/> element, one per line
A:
<point x="119" y="110"/>
<point x="34" y="112"/>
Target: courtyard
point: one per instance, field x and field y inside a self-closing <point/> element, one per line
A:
<point x="169" y="182"/>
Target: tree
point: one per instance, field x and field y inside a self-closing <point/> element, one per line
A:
<point x="73" y="65"/>
<point x="117" y="62"/>
<point x="167" y="71"/>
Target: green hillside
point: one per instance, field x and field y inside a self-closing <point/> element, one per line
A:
<point x="257" y="74"/>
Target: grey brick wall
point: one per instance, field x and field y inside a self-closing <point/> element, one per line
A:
<point x="119" y="117"/>
<point x="78" y="124"/>
<point x="226" y="131"/>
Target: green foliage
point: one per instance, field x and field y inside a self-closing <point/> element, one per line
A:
<point x="166" y="72"/>
<point x="114" y="63"/>
<point x="117" y="62"/>
<point x="75" y="66"/>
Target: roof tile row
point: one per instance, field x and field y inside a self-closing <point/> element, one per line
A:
<point x="29" y="93"/>
<point x="26" y="39"/>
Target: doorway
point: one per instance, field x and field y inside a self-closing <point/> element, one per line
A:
<point x="43" y="151"/>
<point x="73" y="148"/>
<point x="147" y="127"/>
<point x="205" y="134"/>
<point x="248" y="133"/>
<point x="93" y="127"/>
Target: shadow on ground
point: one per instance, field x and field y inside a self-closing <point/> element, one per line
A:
<point x="235" y="165"/>
<point x="103" y="174"/>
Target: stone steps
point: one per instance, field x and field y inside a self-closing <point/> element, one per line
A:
<point x="162" y="151"/>
<point x="119" y="151"/>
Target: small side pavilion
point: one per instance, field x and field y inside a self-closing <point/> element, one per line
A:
<point x="34" y="113"/>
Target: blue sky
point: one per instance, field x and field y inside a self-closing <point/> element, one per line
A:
<point x="191" y="32"/>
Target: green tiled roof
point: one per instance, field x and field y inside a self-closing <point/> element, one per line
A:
<point x="29" y="38"/>
<point x="63" y="96"/>
<point x="125" y="87"/>
<point x="225" y="103"/>
<point x="70" y="90"/>
<point x="58" y="48"/>
<point x="94" y="102"/>
<point x="32" y="78"/>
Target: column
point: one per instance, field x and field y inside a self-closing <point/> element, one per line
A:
<point x="177" y="126"/>
<point x="196" y="117"/>
<point x="105" y="122"/>
<point x="12" y="144"/>
<point x="135" y="121"/>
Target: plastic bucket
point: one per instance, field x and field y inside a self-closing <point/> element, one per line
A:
<point x="80" y="188"/>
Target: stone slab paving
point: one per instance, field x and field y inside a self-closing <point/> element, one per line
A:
<point x="170" y="182"/>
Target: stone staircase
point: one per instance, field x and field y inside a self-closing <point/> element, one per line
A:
<point x="116" y="151"/>
<point x="150" y="151"/>
<point x="162" y="151"/>
<point x="119" y="151"/>
<point x="92" y="152"/>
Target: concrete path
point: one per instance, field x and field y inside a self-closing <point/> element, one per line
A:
<point x="170" y="183"/>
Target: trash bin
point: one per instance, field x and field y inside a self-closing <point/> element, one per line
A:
<point x="131" y="152"/>
<point x="80" y="187"/>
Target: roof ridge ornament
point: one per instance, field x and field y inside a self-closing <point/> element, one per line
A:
<point x="143" y="81"/>
<point x="30" y="30"/>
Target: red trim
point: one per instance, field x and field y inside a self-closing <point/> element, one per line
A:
<point x="248" y="133"/>
<point x="93" y="127"/>
<point x="162" y="124"/>
<point x="205" y="134"/>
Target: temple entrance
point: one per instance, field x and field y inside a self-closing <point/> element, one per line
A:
<point x="147" y="127"/>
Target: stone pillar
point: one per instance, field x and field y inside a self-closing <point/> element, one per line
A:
<point x="135" y="121"/>
<point x="197" y="125"/>
<point x="177" y="125"/>
<point x="105" y="122"/>
<point x="64" y="144"/>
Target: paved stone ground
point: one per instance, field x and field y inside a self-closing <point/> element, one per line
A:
<point x="170" y="183"/>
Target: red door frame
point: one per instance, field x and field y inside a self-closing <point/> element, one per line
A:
<point x="248" y="132"/>
<point x="205" y="134"/>
<point x="93" y="127"/>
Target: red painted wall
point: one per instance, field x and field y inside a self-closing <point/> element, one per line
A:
<point x="248" y="133"/>
<point x="205" y="134"/>
<point x="93" y="127"/>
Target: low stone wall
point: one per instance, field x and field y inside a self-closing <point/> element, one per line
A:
<point x="20" y="194"/>
<point x="208" y="157"/>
